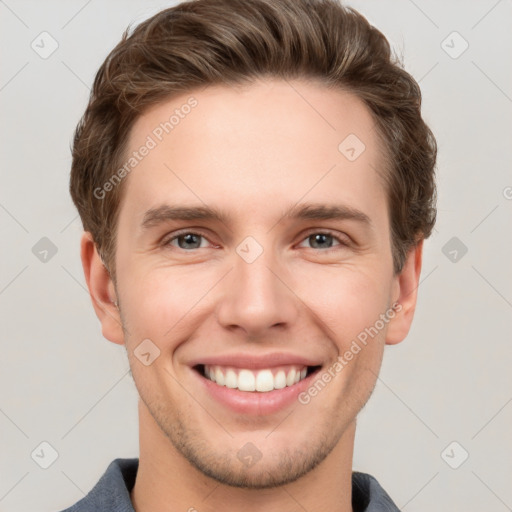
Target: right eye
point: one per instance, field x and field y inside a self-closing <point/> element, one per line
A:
<point x="185" y="240"/>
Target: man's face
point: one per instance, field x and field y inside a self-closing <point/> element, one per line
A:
<point x="259" y="284"/>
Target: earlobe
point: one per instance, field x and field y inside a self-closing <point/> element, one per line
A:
<point x="407" y="284"/>
<point x="101" y="290"/>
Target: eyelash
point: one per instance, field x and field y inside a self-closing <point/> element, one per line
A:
<point x="342" y="242"/>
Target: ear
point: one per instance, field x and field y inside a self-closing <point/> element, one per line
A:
<point x="405" y="293"/>
<point x="101" y="290"/>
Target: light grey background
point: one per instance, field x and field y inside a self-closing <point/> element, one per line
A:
<point x="62" y="383"/>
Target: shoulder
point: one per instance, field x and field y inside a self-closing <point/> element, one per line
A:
<point x="112" y="492"/>
<point x="369" y="496"/>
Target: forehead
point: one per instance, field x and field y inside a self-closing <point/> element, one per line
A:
<point x="256" y="145"/>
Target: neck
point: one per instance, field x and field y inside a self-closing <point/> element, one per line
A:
<point x="167" y="481"/>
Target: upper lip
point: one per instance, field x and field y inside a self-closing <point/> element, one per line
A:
<point x="255" y="362"/>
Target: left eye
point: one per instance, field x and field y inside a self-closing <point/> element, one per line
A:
<point x="319" y="240"/>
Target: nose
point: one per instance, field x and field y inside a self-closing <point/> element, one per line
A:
<point x="257" y="297"/>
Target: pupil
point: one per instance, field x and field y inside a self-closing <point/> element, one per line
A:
<point x="320" y="238"/>
<point x="188" y="239"/>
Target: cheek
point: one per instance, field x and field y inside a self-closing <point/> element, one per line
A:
<point x="346" y="299"/>
<point x="158" y="304"/>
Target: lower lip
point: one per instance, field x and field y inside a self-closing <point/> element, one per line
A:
<point x="255" y="402"/>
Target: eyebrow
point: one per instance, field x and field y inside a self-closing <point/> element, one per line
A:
<point x="304" y="211"/>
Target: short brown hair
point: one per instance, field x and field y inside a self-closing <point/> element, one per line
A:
<point x="205" y="42"/>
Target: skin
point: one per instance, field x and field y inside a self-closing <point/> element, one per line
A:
<point x="254" y="152"/>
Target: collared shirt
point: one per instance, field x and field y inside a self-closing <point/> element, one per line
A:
<point x="112" y="492"/>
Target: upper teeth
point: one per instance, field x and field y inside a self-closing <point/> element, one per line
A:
<point x="255" y="380"/>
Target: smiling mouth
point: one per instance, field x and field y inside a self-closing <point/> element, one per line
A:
<point x="262" y="380"/>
